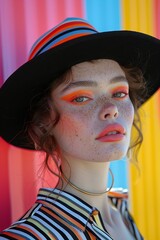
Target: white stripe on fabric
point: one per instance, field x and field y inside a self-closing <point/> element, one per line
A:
<point x="123" y="207"/>
<point x="33" y="229"/>
<point x="93" y="229"/>
<point x="101" y="233"/>
<point x="72" y="213"/>
<point x="47" y="226"/>
<point x="138" y="236"/>
<point x="74" y="200"/>
<point x="22" y="234"/>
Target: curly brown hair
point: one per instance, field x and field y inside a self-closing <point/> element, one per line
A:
<point x="41" y="122"/>
<point x="137" y="93"/>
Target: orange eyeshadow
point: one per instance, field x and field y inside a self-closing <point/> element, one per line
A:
<point x="123" y="89"/>
<point x="71" y="96"/>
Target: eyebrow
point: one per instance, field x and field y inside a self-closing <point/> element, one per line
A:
<point x="92" y="83"/>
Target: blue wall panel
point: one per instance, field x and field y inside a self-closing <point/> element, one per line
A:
<point x="104" y="14"/>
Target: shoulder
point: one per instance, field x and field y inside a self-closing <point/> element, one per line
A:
<point x="41" y="222"/>
<point x="119" y="201"/>
<point x="29" y="226"/>
<point x="119" y="207"/>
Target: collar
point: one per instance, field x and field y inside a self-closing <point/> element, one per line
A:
<point x="67" y="206"/>
<point x="73" y="209"/>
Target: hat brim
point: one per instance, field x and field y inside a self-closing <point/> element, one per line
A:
<point x="126" y="47"/>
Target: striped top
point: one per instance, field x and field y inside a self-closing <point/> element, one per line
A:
<point x="60" y="215"/>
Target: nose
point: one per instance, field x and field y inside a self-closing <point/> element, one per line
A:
<point x="109" y="111"/>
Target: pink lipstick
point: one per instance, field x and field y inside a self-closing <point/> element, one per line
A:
<point x="112" y="133"/>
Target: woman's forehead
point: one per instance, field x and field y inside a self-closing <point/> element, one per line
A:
<point x="100" y="67"/>
<point x="93" y="74"/>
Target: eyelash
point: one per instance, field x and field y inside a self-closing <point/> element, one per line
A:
<point x="120" y="92"/>
<point x="125" y="94"/>
<point x="81" y="102"/>
<point x="81" y="99"/>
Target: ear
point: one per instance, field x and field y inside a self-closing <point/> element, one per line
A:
<point x="36" y="146"/>
<point x="57" y="158"/>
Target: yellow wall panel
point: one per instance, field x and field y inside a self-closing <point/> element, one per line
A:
<point x="138" y="15"/>
<point x="145" y="191"/>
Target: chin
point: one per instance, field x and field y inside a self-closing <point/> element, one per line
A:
<point x="114" y="156"/>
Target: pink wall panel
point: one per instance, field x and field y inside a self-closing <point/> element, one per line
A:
<point x="21" y="23"/>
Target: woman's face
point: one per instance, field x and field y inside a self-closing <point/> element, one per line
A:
<point x="96" y="113"/>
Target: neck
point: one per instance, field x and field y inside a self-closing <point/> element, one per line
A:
<point x="86" y="175"/>
<point x="90" y="177"/>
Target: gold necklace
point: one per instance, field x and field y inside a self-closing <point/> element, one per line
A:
<point x="86" y="192"/>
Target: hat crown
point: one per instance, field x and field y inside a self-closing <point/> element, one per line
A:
<point x="70" y="28"/>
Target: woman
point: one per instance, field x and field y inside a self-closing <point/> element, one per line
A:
<point x="75" y="100"/>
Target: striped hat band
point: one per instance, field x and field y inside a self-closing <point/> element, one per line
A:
<point x="69" y="29"/>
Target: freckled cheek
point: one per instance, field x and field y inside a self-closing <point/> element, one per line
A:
<point x="127" y="112"/>
<point x="69" y="125"/>
<point x="131" y="112"/>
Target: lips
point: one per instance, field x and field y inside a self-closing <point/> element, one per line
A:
<point x="112" y="133"/>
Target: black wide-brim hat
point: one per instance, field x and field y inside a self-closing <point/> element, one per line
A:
<point x="71" y="42"/>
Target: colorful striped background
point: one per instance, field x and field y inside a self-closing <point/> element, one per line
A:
<point x="21" y="23"/>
